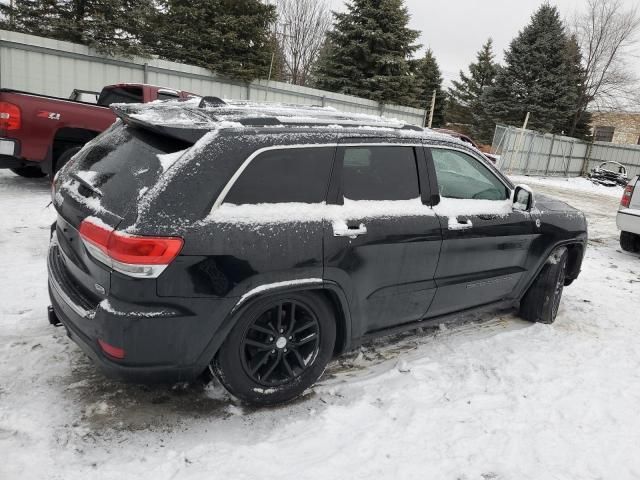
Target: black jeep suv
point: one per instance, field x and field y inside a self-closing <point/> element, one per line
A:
<point x="261" y="241"/>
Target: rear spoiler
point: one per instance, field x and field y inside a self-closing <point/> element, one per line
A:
<point x="168" y="120"/>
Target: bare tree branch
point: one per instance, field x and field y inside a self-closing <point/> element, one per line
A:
<point x="305" y="25"/>
<point x="607" y="33"/>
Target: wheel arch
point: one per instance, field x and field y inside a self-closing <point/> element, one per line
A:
<point x="575" y="248"/>
<point x="331" y="292"/>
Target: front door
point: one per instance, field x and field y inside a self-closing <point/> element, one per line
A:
<point x="382" y="242"/>
<point x="485" y="242"/>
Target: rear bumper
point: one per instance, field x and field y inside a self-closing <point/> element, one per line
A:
<point x="628" y="220"/>
<point x="162" y="344"/>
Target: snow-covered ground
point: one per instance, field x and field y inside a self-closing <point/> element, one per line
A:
<point x="581" y="184"/>
<point x="494" y="399"/>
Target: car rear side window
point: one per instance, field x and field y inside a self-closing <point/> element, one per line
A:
<point x="462" y="176"/>
<point x="285" y="175"/>
<point x="379" y="173"/>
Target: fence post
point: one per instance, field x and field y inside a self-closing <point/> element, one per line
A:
<point x="145" y="72"/>
<point x="553" y="140"/>
<point x="587" y="157"/>
<point x="566" y="170"/>
<point x="525" y="169"/>
<point x="248" y="91"/>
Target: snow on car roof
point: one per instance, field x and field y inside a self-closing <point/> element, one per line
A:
<point x="201" y="115"/>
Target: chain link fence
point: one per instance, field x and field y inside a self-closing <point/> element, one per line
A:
<point x="527" y="152"/>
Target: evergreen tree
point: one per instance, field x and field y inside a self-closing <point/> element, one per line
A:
<point x="369" y="52"/>
<point x="578" y="124"/>
<point x="229" y="37"/>
<point x="428" y="79"/>
<point x="111" y="27"/>
<point x="536" y="77"/>
<point x="467" y="95"/>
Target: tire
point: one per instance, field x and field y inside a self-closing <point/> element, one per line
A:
<point x="29" y="172"/>
<point x="257" y="362"/>
<point x="64" y="158"/>
<point x="540" y="303"/>
<point x="630" y="242"/>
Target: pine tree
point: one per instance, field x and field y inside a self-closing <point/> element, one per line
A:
<point x="536" y="77"/>
<point x="369" y="52"/>
<point x="467" y="95"/>
<point x="428" y="79"/>
<point x="579" y="123"/>
<point x="111" y="27"/>
<point x="229" y="37"/>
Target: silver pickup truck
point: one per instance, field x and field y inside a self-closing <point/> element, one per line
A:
<point x="628" y="219"/>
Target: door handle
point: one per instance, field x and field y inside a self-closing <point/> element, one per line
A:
<point x="464" y="224"/>
<point x="343" y="230"/>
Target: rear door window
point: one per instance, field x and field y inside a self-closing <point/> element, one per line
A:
<point x="288" y="175"/>
<point x="462" y="176"/>
<point x="379" y="173"/>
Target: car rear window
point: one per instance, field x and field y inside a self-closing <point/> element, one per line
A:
<point x="123" y="163"/>
<point x="120" y="95"/>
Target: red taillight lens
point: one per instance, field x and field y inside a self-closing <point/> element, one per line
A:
<point x="10" y="116"/>
<point x="111" y="351"/>
<point x="119" y="250"/>
<point x="144" y="250"/>
<point x="626" y="196"/>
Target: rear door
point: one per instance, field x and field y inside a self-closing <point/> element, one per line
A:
<point x="485" y="242"/>
<point x="383" y="241"/>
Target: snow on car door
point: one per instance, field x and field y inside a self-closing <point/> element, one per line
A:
<point x="485" y="243"/>
<point x="383" y="242"/>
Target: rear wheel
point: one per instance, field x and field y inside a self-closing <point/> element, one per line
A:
<point x="630" y="242"/>
<point x="64" y="158"/>
<point x="29" y="172"/>
<point x="542" y="300"/>
<point x="279" y="348"/>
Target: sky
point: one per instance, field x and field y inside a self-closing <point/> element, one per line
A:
<point x="456" y="29"/>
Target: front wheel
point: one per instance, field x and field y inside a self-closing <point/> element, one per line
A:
<point x="279" y="347"/>
<point x="540" y="303"/>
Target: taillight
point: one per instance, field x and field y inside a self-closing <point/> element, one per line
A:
<point x="10" y="116"/>
<point x="136" y="256"/>
<point x="111" y="351"/>
<point x="626" y="196"/>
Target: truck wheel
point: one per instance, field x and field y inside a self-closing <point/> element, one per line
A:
<point x="279" y="347"/>
<point x="64" y="158"/>
<point x="29" y="172"/>
<point x="540" y="303"/>
<point x="630" y="242"/>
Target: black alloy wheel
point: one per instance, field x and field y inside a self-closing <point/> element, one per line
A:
<point x="281" y="343"/>
<point x="279" y="347"/>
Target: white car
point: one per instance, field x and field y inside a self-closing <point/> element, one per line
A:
<point x="628" y="219"/>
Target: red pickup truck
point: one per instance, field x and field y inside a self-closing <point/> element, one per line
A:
<point x="39" y="133"/>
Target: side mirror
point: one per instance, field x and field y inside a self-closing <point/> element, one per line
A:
<point x="523" y="198"/>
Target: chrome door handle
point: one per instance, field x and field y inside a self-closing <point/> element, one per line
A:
<point x="455" y="224"/>
<point x="351" y="232"/>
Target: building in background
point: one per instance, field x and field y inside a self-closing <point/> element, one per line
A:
<point x="616" y="127"/>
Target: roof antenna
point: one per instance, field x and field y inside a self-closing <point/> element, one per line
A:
<point x="211" y="102"/>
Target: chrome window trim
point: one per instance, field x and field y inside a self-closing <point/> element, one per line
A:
<point x="234" y="178"/>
